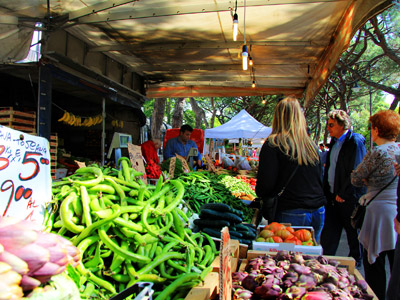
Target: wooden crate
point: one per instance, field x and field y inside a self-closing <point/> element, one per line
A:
<point x="53" y="154"/>
<point x="234" y="245"/>
<point x="346" y="262"/>
<point x="208" y="289"/>
<point x="22" y="121"/>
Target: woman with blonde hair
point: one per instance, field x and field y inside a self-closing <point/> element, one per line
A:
<point x="289" y="150"/>
<point x="376" y="171"/>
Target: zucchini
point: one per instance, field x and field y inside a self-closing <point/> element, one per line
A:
<point x="222" y="207"/>
<point x="209" y="213"/>
<point x="235" y="235"/>
<point x="242" y="227"/>
<point x="211" y="223"/>
<point x="212" y="232"/>
<point x="248" y="235"/>
<point x="245" y="241"/>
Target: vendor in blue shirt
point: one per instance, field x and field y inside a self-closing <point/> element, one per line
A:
<point x="181" y="144"/>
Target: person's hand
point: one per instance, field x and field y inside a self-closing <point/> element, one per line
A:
<point x="199" y="162"/>
<point x="397" y="226"/>
<point x="397" y="168"/>
<point x="339" y="199"/>
<point x="365" y="181"/>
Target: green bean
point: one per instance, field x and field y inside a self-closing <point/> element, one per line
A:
<point x="95" y="204"/>
<point x="92" y="182"/>
<point x="117" y="249"/>
<point x="85" y="233"/>
<point x="176" y="283"/>
<point x="158" y="260"/>
<point x="131" y="184"/>
<point x="103" y="188"/>
<point x="118" y="189"/>
<point x="180" y="191"/>
<point x="124" y="163"/>
<point x="159" y="184"/>
<point x="176" y="266"/>
<point x="65" y="214"/>
<point x="118" y="259"/>
<point x="178" y="225"/>
<point x="133" y="226"/>
<point x="85" y="205"/>
<point x="84" y="244"/>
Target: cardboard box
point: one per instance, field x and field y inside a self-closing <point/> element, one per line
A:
<point x="271" y="247"/>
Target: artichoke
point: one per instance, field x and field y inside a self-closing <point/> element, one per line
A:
<point x="35" y="256"/>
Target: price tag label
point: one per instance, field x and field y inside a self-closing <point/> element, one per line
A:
<point x="25" y="178"/>
<point x="136" y="158"/>
<point x="225" y="276"/>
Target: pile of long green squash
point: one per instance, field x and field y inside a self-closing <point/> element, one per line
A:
<point x="128" y="232"/>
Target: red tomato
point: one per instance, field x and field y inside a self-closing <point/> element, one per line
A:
<point x="277" y="239"/>
<point x="303" y="235"/>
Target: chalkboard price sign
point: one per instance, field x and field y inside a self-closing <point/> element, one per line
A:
<point x="25" y="180"/>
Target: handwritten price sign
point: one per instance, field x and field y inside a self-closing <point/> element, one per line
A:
<point x="25" y="180"/>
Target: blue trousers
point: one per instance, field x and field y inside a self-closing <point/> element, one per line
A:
<point x="304" y="217"/>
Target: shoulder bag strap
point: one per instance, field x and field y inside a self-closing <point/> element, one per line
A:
<point x="381" y="190"/>
<point x="287" y="182"/>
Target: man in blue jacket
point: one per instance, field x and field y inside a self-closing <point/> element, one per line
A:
<point x="346" y="151"/>
<point x="181" y="145"/>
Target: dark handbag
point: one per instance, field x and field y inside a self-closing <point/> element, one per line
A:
<point x="358" y="214"/>
<point x="269" y="204"/>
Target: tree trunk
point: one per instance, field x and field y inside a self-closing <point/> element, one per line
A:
<point x="199" y="113"/>
<point x="212" y="120"/>
<point x="157" y="117"/>
<point x="178" y="113"/>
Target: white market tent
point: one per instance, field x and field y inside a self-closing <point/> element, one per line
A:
<point x="243" y="125"/>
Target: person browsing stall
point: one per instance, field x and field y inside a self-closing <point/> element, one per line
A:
<point x="347" y="150"/>
<point x="182" y="144"/>
<point x="289" y="150"/>
<point x="376" y="171"/>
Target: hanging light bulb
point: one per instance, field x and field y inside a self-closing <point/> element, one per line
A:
<point x="245" y="56"/>
<point x="253" y="85"/>
<point x="235" y="26"/>
<point x="250" y="61"/>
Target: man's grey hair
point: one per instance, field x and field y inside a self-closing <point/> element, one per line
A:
<point x="341" y="117"/>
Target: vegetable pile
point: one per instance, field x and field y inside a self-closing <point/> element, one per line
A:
<point x="289" y="275"/>
<point x="153" y="170"/>
<point x="238" y="187"/>
<point x="129" y="232"/>
<point x="279" y="233"/>
<point x="215" y="216"/>
<point x="178" y="167"/>
<point x="206" y="187"/>
<point x="30" y="257"/>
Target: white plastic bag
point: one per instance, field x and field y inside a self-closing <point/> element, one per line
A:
<point x="226" y="161"/>
<point x="243" y="164"/>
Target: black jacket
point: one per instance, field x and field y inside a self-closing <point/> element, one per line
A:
<point x="350" y="155"/>
<point x="304" y="191"/>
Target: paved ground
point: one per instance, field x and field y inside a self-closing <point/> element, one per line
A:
<point x="343" y="250"/>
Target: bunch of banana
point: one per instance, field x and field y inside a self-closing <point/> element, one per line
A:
<point x="117" y="123"/>
<point x="72" y="120"/>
